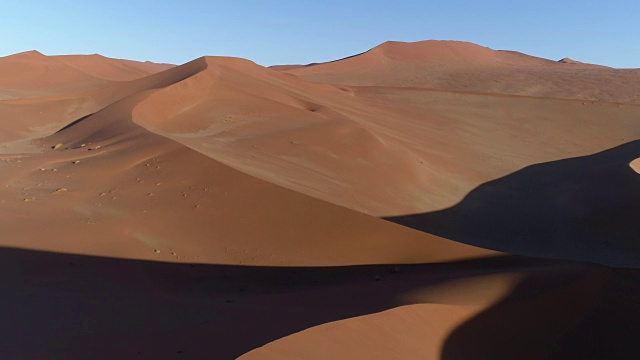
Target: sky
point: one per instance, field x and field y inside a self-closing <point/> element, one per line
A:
<point x="300" y="32"/>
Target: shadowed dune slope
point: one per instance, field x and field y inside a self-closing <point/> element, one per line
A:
<point x="458" y="65"/>
<point x="593" y="318"/>
<point x="60" y="306"/>
<point x="581" y="209"/>
<point x="535" y="313"/>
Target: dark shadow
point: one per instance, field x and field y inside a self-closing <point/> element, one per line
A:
<point x="74" y="122"/>
<point x="337" y="60"/>
<point x="589" y="315"/>
<point x="582" y="209"/>
<point x="321" y="63"/>
<point x="61" y="306"/>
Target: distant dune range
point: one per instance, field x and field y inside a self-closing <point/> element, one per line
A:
<point x="246" y="208"/>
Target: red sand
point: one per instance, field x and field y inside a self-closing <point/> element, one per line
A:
<point x="219" y="207"/>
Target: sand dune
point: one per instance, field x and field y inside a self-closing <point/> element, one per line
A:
<point x="382" y="151"/>
<point x="32" y="74"/>
<point x="40" y="94"/>
<point x="578" y="63"/>
<point x="457" y="65"/>
<point x="580" y="209"/>
<point x="227" y="210"/>
<point x="112" y="69"/>
<point x="544" y="310"/>
<point x="154" y="194"/>
<point x="287" y="132"/>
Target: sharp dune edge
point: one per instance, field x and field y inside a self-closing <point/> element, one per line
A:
<point x="430" y="200"/>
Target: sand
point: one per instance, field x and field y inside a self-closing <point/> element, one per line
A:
<point x="430" y="200"/>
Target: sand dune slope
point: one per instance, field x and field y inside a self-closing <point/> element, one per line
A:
<point x="61" y="306"/>
<point x="112" y="69"/>
<point x="582" y="208"/>
<point x="533" y="313"/>
<point x="458" y="65"/>
<point x="30" y="118"/>
<point x="40" y="94"/>
<point x="340" y="146"/>
<point x="379" y="150"/>
<point x="289" y="132"/>
<point x="32" y="74"/>
<point x="114" y="189"/>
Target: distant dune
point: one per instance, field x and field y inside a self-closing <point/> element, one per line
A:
<point x="429" y="200"/>
<point x="48" y="92"/>
<point x="32" y="74"/>
<point x="112" y="69"/>
<point x="454" y="65"/>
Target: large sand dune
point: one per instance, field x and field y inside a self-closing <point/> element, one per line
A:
<point x="221" y="209"/>
<point x="464" y="66"/>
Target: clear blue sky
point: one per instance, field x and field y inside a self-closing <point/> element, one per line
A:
<point x="278" y="32"/>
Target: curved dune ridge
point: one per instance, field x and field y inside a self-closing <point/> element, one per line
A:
<point x="269" y="125"/>
<point x="400" y="332"/>
<point x="551" y="312"/>
<point x="228" y="210"/>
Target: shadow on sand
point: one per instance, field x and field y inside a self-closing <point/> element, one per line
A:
<point x="584" y="209"/>
<point x="61" y="306"/>
<point x="590" y="317"/>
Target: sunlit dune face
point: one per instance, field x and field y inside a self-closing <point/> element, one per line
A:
<point x="635" y="165"/>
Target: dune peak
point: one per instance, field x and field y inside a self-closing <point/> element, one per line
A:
<point x="430" y="43"/>
<point x="27" y="54"/>
<point x="447" y="50"/>
<point x="567" y="60"/>
<point x="226" y="60"/>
